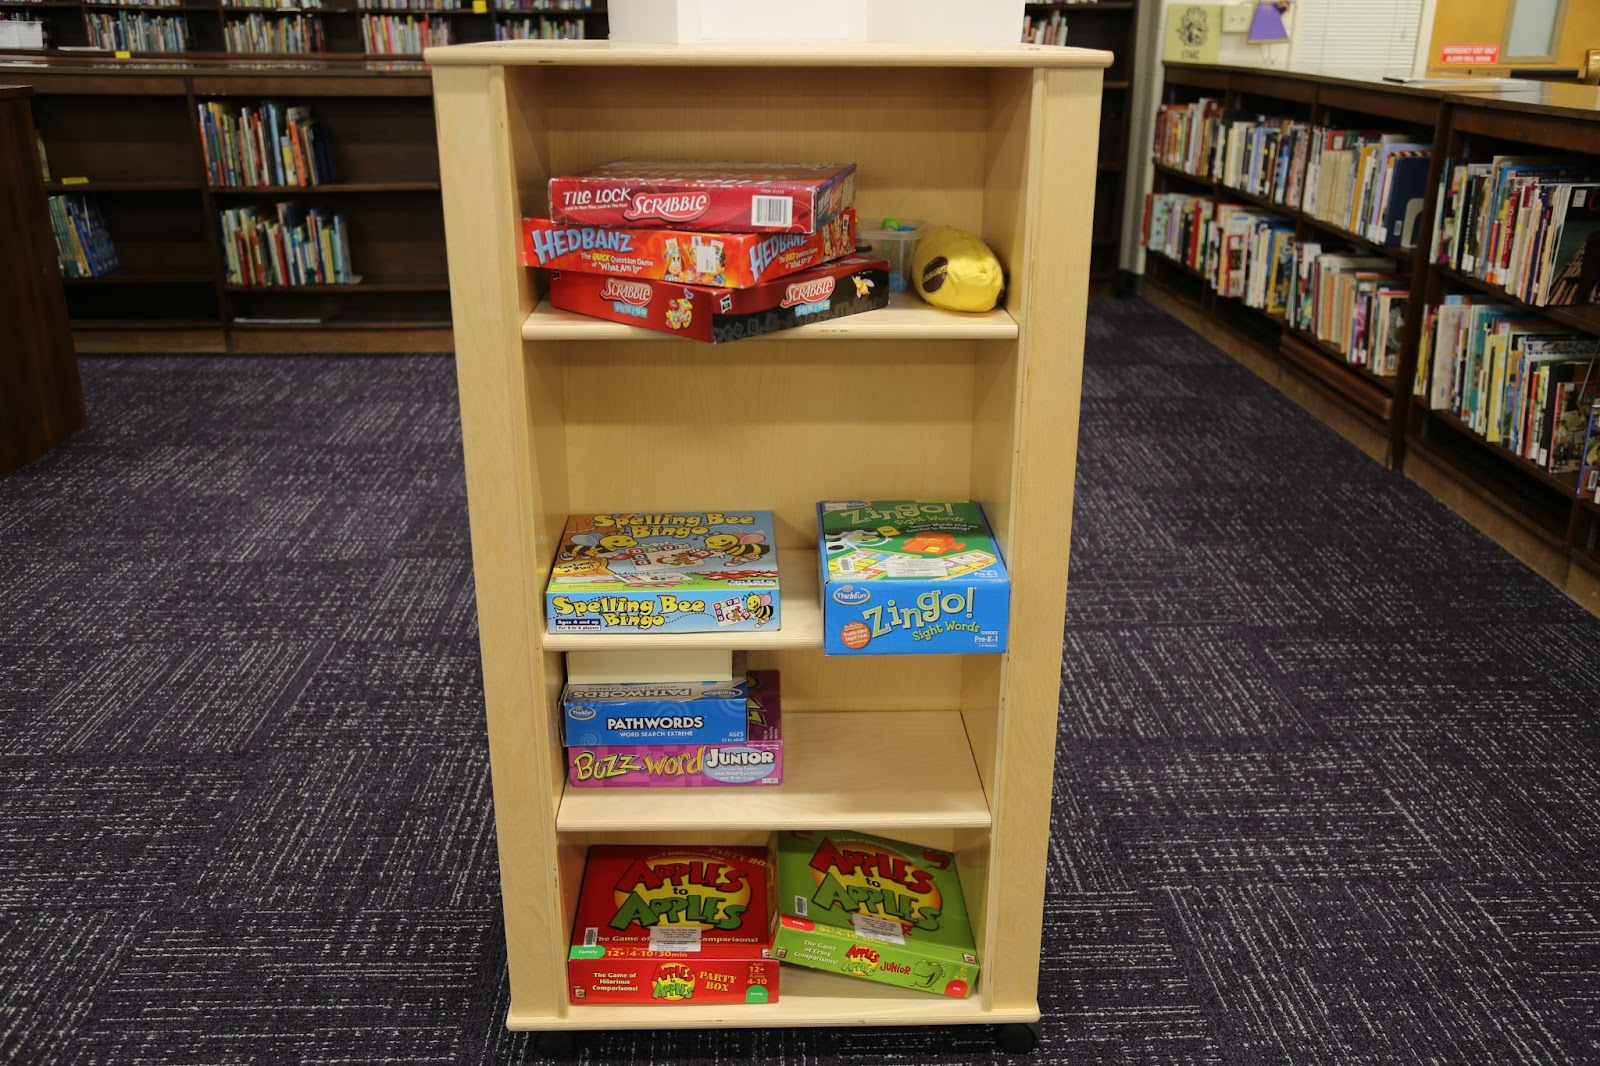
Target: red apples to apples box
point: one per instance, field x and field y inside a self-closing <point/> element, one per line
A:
<point x="843" y="287"/>
<point x="674" y="924"/>
<point x="716" y="197"/>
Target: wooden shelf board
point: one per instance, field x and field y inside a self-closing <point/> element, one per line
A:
<point x="805" y="998"/>
<point x="428" y="284"/>
<point x="1183" y="175"/>
<point x="1311" y="340"/>
<point x="1400" y="255"/>
<point x="847" y="55"/>
<point x="1177" y="264"/>
<point x="833" y="778"/>
<point x="55" y="187"/>
<point x="1585" y="317"/>
<point x="195" y="278"/>
<point x="1566" y="484"/>
<point x="150" y="7"/>
<point x="341" y="324"/>
<point x="94" y="324"/>
<point x="906" y="318"/>
<point x="1589" y="503"/>
<point x="798" y="570"/>
<point x="331" y="187"/>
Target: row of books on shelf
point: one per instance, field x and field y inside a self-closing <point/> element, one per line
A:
<point x="1052" y="30"/>
<point x="125" y="32"/>
<point x="1530" y="225"/>
<point x="1352" y="303"/>
<point x="257" y="33"/>
<point x="83" y="246"/>
<point x="543" y="29"/>
<point x="266" y="144"/>
<point x="1513" y="378"/>
<point x="1368" y="182"/>
<point x="403" y="34"/>
<point x="287" y="244"/>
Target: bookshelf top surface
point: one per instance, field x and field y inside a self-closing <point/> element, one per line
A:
<point x="612" y="53"/>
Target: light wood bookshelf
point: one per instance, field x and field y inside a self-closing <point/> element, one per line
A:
<point x="562" y="416"/>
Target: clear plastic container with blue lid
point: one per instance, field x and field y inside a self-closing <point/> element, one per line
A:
<point x="892" y="239"/>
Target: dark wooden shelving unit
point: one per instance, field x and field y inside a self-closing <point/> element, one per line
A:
<point x="1534" y="513"/>
<point x="130" y="128"/>
<point x="1112" y="25"/>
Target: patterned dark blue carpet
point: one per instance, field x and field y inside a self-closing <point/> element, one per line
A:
<point x="1328" y="782"/>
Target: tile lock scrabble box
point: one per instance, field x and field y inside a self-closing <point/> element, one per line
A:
<point x="908" y="576"/>
<point x="721" y="260"/>
<point x="688" y="712"/>
<point x="674" y="924"/>
<point x="845" y="286"/>
<point x="873" y="908"/>
<point x="709" y="197"/>
<point x="660" y="572"/>
<point x="755" y="760"/>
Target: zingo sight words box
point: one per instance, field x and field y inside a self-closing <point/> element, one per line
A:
<point x="674" y="924"/>
<point x="842" y="287"/>
<point x="873" y="908"/>
<point x="721" y="260"/>
<point x="665" y="572"/>
<point x="757" y="760"/>
<point x="656" y="712"/>
<point x="712" y="197"/>
<point x="910" y="576"/>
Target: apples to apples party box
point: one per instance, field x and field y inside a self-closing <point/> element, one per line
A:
<point x="873" y="908"/>
<point x="665" y="572"/>
<point x="674" y="924"/>
<point x="845" y="286"/>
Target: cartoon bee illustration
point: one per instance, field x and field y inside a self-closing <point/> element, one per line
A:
<point x="864" y="286"/>
<point x="759" y="607"/>
<point x="741" y="546"/>
<point x="588" y="546"/>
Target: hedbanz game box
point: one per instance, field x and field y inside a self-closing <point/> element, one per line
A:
<point x="722" y="260"/>
<point x="674" y="924"/>
<point x="712" y="197"/>
<point x="660" y="572"/>
<point x="756" y="760"/>
<point x="845" y="286"/>
<point x="903" y="576"/>
<point x="873" y="908"/>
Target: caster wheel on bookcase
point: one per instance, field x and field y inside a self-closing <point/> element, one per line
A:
<point x="561" y="1046"/>
<point x="1019" y="1038"/>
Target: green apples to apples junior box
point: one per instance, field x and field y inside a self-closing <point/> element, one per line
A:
<point x="873" y="908"/>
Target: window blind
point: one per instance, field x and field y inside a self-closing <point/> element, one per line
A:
<point x="1355" y="38"/>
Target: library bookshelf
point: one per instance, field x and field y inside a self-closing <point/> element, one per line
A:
<point x="126" y="134"/>
<point x="1532" y="513"/>
<point x="561" y="415"/>
<point x="1111" y="26"/>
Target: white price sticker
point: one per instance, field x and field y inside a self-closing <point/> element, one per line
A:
<point x="669" y="938"/>
<point x="878" y="929"/>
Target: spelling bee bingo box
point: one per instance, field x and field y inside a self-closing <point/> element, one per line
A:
<point x="661" y="572"/>
<point x="724" y="260"/>
<point x="903" y="576"/>
<point x="674" y="924"/>
<point x="709" y="197"/>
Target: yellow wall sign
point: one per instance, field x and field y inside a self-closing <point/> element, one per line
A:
<point x="1194" y="33"/>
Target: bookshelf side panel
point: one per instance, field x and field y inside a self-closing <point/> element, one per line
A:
<point x="1051" y="290"/>
<point x="506" y="497"/>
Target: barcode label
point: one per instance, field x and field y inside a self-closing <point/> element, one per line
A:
<point x="771" y="211"/>
<point x="669" y="938"/>
<point x="879" y="929"/>
<point x="708" y="257"/>
<point x="591" y="937"/>
<point x="800" y="906"/>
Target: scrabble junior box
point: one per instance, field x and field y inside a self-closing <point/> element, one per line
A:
<point x="665" y="572"/>
<point x="910" y="576"/>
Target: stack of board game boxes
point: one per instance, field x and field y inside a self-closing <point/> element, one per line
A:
<point x="708" y="924"/>
<point x="702" y="924"/>
<point x="710" y="251"/>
